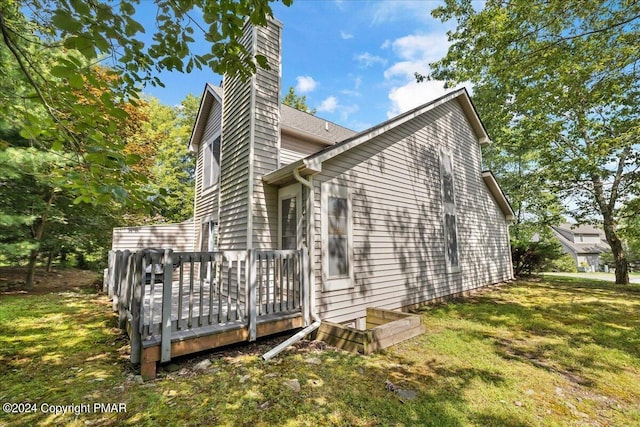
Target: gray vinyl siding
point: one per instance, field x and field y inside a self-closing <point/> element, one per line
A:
<point x="179" y="237"/>
<point x="206" y="202"/>
<point x="266" y="139"/>
<point x="293" y="149"/>
<point x="234" y="160"/>
<point x="398" y="237"/>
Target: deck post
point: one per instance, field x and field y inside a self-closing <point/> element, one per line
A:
<point x="167" y="279"/>
<point x="306" y="291"/>
<point x="106" y="283"/>
<point x="251" y="294"/>
<point x="136" y="307"/>
<point x="116" y="278"/>
<point x="122" y="302"/>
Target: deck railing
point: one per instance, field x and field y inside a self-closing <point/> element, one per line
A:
<point x="161" y="295"/>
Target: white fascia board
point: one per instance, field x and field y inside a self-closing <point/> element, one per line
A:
<point x="203" y="114"/>
<point x="474" y="120"/>
<point x="314" y="162"/>
<point x="283" y="172"/>
<point x="498" y="195"/>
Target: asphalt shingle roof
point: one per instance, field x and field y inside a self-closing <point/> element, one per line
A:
<point x="316" y="126"/>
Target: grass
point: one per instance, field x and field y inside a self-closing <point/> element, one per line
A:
<point x="594" y="275"/>
<point x="553" y="352"/>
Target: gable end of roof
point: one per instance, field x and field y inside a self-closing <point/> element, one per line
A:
<point x="498" y="195"/>
<point x="314" y="161"/>
<point x="210" y="94"/>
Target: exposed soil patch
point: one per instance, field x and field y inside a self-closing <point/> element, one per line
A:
<point x="12" y="280"/>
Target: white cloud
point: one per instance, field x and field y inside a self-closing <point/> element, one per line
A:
<point x="357" y="82"/>
<point x="332" y="105"/>
<point x="417" y="47"/>
<point x="345" y="36"/>
<point x="413" y="94"/>
<point x="414" y="52"/>
<point x="340" y="5"/>
<point x="367" y="60"/>
<point x="393" y="11"/>
<point x="329" y="105"/>
<point x="305" y="84"/>
<point x="350" y="92"/>
<point x="347" y="110"/>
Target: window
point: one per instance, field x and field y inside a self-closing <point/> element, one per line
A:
<point x="289" y="225"/>
<point x="337" y="240"/>
<point x="211" y="163"/>
<point x="208" y="232"/>
<point x="449" y="214"/>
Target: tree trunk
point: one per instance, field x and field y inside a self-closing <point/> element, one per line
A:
<point x="33" y="254"/>
<point x="37" y="231"/>
<point x="49" y="261"/>
<point x="619" y="257"/>
<point x="31" y="268"/>
<point x="606" y="210"/>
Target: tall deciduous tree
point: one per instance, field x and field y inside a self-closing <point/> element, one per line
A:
<point x="173" y="171"/>
<point x="563" y="74"/>
<point x="73" y="118"/>
<point x="299" y="102"/>
<point x="35" y="33"/>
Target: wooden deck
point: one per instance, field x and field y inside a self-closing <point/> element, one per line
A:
<point x="173" y="304"/>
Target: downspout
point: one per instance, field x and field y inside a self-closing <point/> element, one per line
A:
<point x="310" y="241"/>
<point x="312" y="297"/>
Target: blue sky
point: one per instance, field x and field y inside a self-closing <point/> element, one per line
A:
<point x="354" y="60"/>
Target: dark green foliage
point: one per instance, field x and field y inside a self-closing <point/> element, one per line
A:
<point x="70" y="110"/>
<point x="529" y="257"/>
<point x="564" y="264"/>
<point x="557" y="82"/>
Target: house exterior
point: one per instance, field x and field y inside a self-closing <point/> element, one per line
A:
<point x="584" y="243"/>
<point x="179" y="237"/>
<point x="392" y="217"/>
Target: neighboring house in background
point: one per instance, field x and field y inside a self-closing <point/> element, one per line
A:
<point x="584" y="243"/>
<point x="393" y="216"/>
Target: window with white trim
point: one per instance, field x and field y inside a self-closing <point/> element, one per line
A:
<point x="208" y="233"/>
<point x="211" y="162"/>
<point x="449" y="212"/>
<point x="337" y="238"/>
<point x="289" y="224"/>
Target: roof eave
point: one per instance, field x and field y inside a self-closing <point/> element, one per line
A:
<point x="498" y="195"/>
<point x="208" y="96"/>
<point x="290" y="130"/>
<point x="474" y="119"/>
<point x="461" y="95"/>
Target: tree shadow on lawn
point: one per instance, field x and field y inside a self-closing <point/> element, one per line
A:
<point x="592" y="314"/>
<point x="341" y="389"/>
<point x="50" y="333"/>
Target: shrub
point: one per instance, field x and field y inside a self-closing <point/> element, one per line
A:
<point x="529" y="257"/>
<point x="565" y="264"/>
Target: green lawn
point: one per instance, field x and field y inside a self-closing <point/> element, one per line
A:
<point x="556" y="352"/>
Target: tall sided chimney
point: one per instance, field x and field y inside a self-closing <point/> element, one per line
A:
<point x="250" y="144"/>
